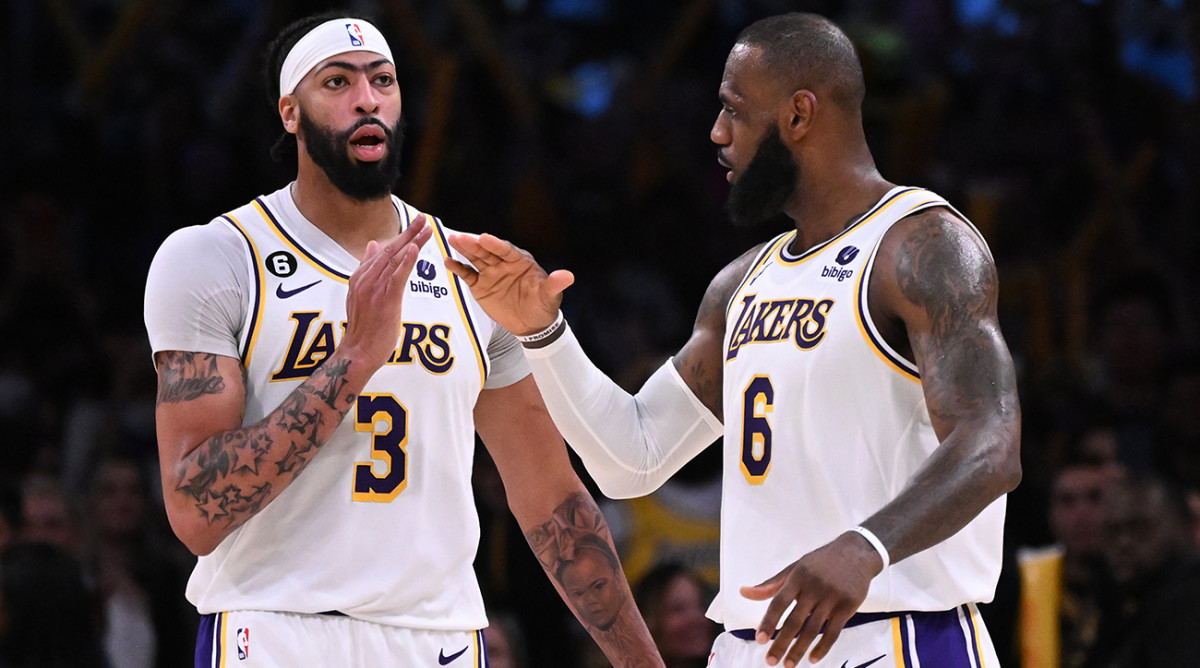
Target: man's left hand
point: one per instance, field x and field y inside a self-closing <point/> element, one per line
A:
<point x="827" y="585"/>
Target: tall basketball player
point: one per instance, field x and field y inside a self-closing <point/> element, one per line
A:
<point x="321" y="378"/>
<point x="870" y="417"/>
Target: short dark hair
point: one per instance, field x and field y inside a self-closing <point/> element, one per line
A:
<point x="651" y="587"/>
<point x="803" y="50"/>
<point x="277" y="51"/>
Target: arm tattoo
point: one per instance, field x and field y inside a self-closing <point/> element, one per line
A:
<point x="575" y="547"/>
<point x="234" y="474"/>
<point x="944" y="271"/>
<point x="187" y="376"/>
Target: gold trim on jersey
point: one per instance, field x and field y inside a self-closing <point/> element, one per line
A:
<point x="755" y="268"/>
<point x="883" y="205"/>
<point x="260" y="297"/>
<point x="892" y="358"/>
<point x="460" y="300"/>
<point x="277" y="227"/>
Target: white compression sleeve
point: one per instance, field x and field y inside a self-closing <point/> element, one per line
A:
<point x="629" y="444"/>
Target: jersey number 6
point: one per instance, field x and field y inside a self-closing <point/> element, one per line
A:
<point x="387" y="419"/>
<point x="757" y="401"/>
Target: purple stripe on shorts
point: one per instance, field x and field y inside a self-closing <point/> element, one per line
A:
<point x="905" y="655"/>
<point x="974" y="639"/>
<point x="940" y="640"/>
<point x="204" y="640"/>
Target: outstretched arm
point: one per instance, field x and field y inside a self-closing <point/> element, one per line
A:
<point x="561" y="521"/>
<point x="629" y="444"/>
<point x="216" y="473"/>
<point x="934" y="289"/>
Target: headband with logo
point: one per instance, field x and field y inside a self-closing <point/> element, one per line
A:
<point x="329" y="39"/>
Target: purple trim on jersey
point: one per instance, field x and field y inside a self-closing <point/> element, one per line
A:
<point x="206" y="639"/>
<point x="462" y="301"/>
<point x="482" y="660"/>
<point x="940" y="640"/>
<point x="788" y="257"/>
<point x="861" y="305"/>
<point x="256" y="302"/>
<point x="297" y="245"/>
<point x="864" y="317"/>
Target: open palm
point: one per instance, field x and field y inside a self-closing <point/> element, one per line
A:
<point x="508" y="283"/>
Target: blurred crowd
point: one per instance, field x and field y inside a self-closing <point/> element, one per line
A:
<point x="1067" y="130"/>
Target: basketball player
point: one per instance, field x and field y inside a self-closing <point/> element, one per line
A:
<point x="871" y="422"/>
<point x="321" y="382"/>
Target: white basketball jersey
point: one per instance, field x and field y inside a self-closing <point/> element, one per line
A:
<point x="825" y="424"/>
<point x="381" y="526"/>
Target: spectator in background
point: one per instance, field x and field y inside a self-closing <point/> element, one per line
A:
<point x="1059" y="615"/>
<point x="140" y="576"/>
<point x="49" y="513"/>
<point x="673" y="599"/>
<point x="1134" y="328"/>
<point x="48" y="616"/>
<point x="10" y="510"/>
<point x="1178" y="433"/>
<point x="1150" y="618"/>
<point x="505" y="641"/>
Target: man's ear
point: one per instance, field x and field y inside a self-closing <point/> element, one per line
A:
<point x="289" y="113"/>
<point x="798" y="114"/>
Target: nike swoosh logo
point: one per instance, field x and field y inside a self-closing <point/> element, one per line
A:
<point x="443" y="659"/>
<point x="284" y="294"/>
<point x="864" y="665"/>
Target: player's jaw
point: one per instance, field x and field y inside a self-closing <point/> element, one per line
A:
<point x="362" y="161"/>
<point x="765" y="186"/>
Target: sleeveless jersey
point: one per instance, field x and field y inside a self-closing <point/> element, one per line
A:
<point x="381" y="526"/>
<point x="825" y="424"/>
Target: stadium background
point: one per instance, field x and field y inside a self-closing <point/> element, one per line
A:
<point x="1066" y="129"/>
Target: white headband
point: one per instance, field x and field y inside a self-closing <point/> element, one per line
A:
<point x="329" y="39"/>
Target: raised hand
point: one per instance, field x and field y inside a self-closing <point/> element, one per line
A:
<point x="827" y="585"/>
<point x="373" y="303"/>
<point x="508" y="283"/>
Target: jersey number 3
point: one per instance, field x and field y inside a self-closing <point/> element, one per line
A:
<point x="387" y="419"/>
<point x="757" y="401"/>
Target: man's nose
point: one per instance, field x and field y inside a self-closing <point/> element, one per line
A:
<point x="366" y="99"/>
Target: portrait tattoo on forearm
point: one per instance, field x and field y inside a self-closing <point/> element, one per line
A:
<point x="574" y="547"/>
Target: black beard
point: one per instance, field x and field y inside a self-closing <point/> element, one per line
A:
<point x="767" y="184"/>
<point x="362" y="181"/>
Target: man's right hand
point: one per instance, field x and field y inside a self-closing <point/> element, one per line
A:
<point x="508" y="283"/>
<point x="373" y="302"/>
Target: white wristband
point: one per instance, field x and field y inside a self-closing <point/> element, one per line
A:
<point x="875" y="543"/>
<point x="538" y="336"/>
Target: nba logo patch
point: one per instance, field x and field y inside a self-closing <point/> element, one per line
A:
<point x="243" y="644"/>
<point x="356" y="37"/>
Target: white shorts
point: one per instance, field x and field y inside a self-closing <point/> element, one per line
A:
<point x="951" y="639"/>
<point x="256" y="639"/>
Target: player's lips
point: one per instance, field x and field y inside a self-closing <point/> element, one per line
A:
<point x="725" y="163"/>
<point x="369" y="143"/>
